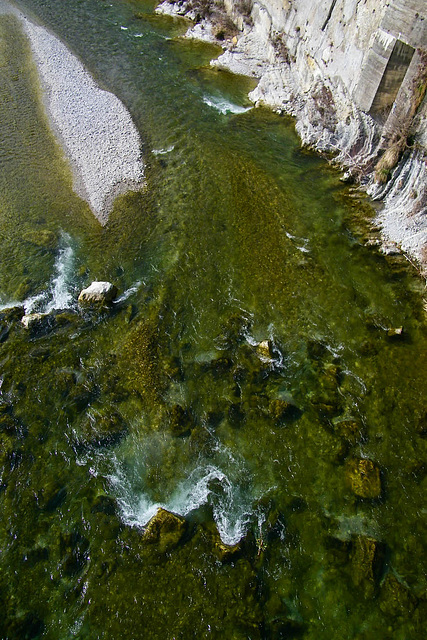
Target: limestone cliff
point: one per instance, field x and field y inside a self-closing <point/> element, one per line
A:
<point x="354" y="74"/>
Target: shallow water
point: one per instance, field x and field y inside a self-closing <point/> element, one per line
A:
<point x="240" y="237"/>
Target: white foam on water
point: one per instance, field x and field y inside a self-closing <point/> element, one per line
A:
<point x="206" y="484"/>
<point x="224" y="106"/>
<point x="61" y="290"/>
<point x="161" y="152"/>
<point x="60" y="293"/>
<point x="231" y="509"/>
<point x="9" y="305"/>
<point x="128" y="293"/>
<point x="35" y="303"/>
<point x="302" y="244"/>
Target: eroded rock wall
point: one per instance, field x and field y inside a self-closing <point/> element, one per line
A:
<point x="353" y="73"/>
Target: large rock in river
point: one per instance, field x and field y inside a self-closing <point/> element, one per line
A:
<point x="37" y="323"/>
<point x="98" y="294"/>
<point x="165" y="529"/>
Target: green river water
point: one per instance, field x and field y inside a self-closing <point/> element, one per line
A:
<point x="239" y="237"/>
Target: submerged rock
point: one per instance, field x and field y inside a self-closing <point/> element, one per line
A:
<point x="104" y="504"/>
<point x="102" y="429"/>
<point x="55" y="500"/>
<point x="8" y="424"/>
<point x="236" y="415"/>
<point x="395" y="599"/>
<point x="180" y="420"/>
<point x="172" y="368"/>
<point x="282" y="410"/>
<point x="279" y="621"/>
<point x="349" y="429"/>
<point x="74" y="551"/>
<point x="234" y="331"/>
<point x="218" y="366"/>
<point x="364" y="478"/>
<point x="367" y="560"/>
<point x="36" y="555"/>
<point x="421" y="427"/>
<point x="165" y="529"/>
<point x="12" y="314"/>
<point x="7" y="448"/>
<point x="316" y="349"/>
<point x="227" y="552"/>
<point x="79" y="394"/>
<point x="265" y="350"/>
<point x="42" y="238"/>
<point x="326" y="398"/>
<point x="26" y="625"/>
<point x="338" y="549"/>
<point x="66" y="318"/>
<point x="38" y="324"/>
<point x="395" y="333"/>
<point x="98" y="294"/>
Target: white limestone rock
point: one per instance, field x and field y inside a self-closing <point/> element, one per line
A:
<point x="98" y="294"/>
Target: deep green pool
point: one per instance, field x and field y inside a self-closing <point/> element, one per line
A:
<point x="239" y="237"/>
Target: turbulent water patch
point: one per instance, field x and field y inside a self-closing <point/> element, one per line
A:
<point x="224" y="106"/>
<point x="206" y="485"/>
<point x="61" y="293"/>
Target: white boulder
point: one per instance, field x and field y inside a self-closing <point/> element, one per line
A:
<point x="98" y="294"/>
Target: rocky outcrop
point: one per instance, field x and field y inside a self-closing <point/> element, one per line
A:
<point x="354" y="75"/>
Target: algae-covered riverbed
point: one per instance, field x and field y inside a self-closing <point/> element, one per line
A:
<point x="251" y="379"/>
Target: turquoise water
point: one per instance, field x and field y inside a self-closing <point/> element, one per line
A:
<point x="167" y="400"/>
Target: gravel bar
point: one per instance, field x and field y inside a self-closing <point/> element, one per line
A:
<point x="94" y="127"/>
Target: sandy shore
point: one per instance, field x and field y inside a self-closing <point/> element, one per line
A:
<point x="94" y="127"/>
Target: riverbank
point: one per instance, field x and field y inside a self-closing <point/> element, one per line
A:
<point x="293" y="81"/>
<point x="93" y="126"/>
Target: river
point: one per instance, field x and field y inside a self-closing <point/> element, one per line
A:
<point x="252" y="377"/>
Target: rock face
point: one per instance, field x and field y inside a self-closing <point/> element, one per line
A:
<point x="98" y="294"/>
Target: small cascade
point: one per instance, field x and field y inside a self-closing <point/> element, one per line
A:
<point x="61" y="293"/>
<point x="216" y="485"/>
